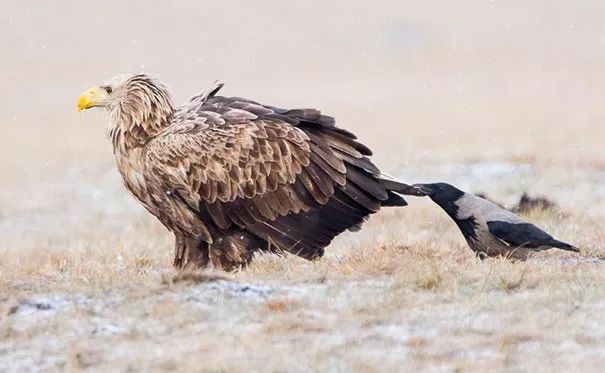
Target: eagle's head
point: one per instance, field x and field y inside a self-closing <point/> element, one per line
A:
<point x="139" y="105"/>
<point x="126" y="89"/>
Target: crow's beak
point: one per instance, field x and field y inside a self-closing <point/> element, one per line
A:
<point x="424" y="188"/>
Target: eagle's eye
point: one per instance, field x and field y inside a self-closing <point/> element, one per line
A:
<point x="108" y="89"/>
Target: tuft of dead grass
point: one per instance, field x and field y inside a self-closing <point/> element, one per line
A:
<point x="281" y="305"/>
<point x="193" y="277"/>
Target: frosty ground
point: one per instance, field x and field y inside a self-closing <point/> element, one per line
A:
<point x="403" y="292"/>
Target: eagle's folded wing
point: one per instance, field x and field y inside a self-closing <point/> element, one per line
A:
<point x="289" y="177"/>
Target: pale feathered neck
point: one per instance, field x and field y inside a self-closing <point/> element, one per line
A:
<point x="140" y="109"/>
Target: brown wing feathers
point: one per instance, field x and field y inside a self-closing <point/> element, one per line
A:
<point x="352" y="201"/>
<point x="351" y="194"/>
<point x="290" y="177"/>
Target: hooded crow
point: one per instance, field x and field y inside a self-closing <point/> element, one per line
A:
<point x="489" y="229"/>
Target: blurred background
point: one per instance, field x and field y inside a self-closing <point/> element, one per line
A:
<point x="431" y="82"/>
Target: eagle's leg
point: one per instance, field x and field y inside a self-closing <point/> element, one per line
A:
<point x="190" y="252"/>
<point x="233" y="251"/>
<point x="179" y="251"/>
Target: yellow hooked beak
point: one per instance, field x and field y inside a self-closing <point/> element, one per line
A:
<point x="91" y="98"/>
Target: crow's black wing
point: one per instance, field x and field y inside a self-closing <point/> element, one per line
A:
<point x="520" y="234"/>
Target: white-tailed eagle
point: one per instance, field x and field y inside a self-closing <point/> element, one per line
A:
<point x="231" y="176"/>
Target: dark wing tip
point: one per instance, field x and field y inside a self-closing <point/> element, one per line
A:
<point x="392" y="184"/>
<point x="564" y="246"/>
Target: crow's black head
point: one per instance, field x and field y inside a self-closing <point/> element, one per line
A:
<point x="446" y="195"/>
<point x="442" y="193"/>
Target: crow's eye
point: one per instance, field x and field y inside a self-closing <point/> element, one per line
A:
<point x="108" y="90"/>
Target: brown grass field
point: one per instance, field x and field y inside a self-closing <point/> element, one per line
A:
<point x="495" y="97"/>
